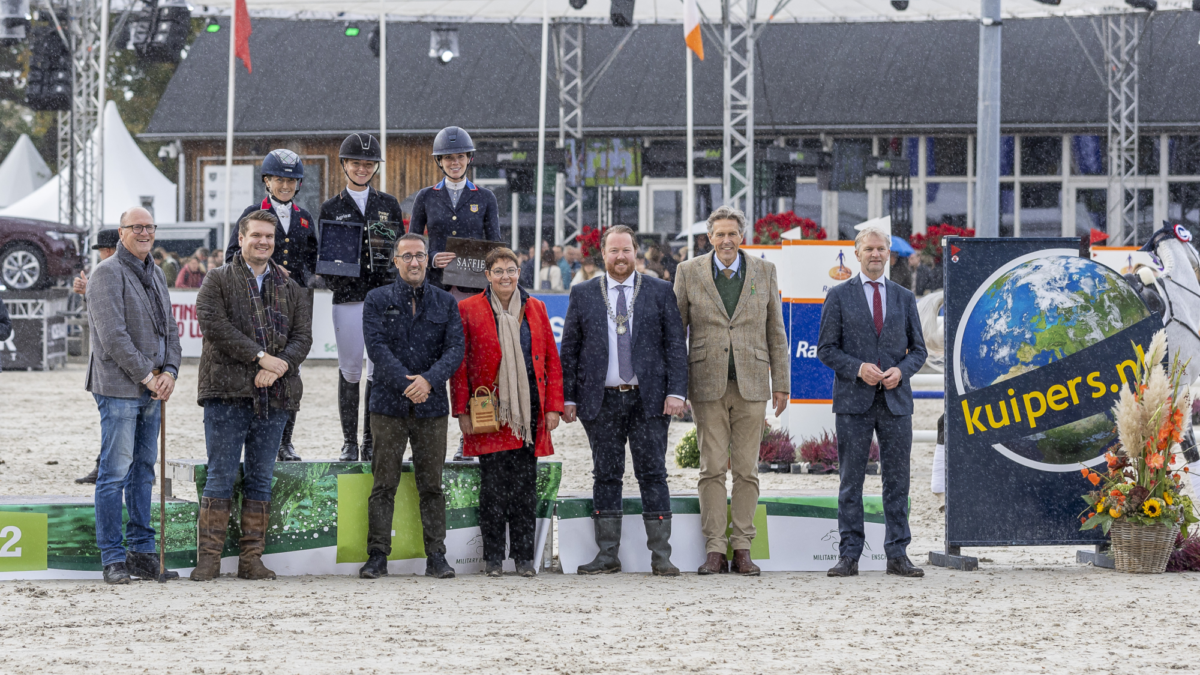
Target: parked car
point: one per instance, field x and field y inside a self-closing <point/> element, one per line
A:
<point x="36" y="254"/>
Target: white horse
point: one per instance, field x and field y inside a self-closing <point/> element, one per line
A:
<point x="1174" y="292"/>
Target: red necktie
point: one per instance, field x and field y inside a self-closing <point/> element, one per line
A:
<point x="877" y="310"/>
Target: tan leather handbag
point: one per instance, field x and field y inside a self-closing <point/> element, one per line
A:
<point x="483" y="412"/>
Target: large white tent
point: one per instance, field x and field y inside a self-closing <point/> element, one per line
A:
<point x="22" y="172"/>
<point x="130" y="179"/>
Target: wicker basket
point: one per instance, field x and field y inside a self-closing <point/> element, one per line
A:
<point x="1142" y="549"/>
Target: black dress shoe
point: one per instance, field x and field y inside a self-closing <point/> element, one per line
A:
<point x="903" y="567"/>
<point x="376" y="566"/>
<point x="493" y="569"/>
<point x="525" y="568"/>
<point x="90" y="479"/>
<point x="145" y="566"/>
<point x="349" y="453"/>
<point x="437" y="567"/>
<point x="845" y="567"/>
<point x="116" y="573"/>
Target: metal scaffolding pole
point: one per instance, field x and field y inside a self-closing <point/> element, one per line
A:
<point x="737" y="20"/>
<point x="79" y="195"/>
<point x="569" y="59"/>
<point x="987" y="153"/>
<point x="1122" y="33"/>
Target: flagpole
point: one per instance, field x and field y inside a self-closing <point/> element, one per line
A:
<point x="541" y="165"/>
<point x="689" y="204"/>
<point x="229" y="128"/>
<point x="383" y="96"/>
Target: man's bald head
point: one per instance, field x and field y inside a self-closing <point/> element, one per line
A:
<point x="137" y="216"/>
<point x="137" y="242"/>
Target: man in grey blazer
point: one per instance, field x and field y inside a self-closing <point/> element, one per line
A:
<point x="132" y="370"/>
<point x="871" y="337"/>
<point x="737" y="361"/>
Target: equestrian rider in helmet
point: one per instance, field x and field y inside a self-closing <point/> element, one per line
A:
<point x="379" y="214"/>
<point x="295" y="241"/>
<point x="455" y="207"/>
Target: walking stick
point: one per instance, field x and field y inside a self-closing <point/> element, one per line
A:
<point x="162" y="493"/>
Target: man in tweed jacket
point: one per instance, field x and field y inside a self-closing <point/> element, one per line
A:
<point x="132" y="370"/>
<point x="737" y="360"/>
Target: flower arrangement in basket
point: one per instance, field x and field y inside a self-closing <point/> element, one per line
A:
<point x="931" y="241"/>
<point x="1138" y="500"/>
<point x="770" y="228"/>
<point x="589" y="241"/>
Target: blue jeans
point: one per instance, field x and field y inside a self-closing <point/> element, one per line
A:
<point x="128" y="440"/>
<point x="230" y="425"/>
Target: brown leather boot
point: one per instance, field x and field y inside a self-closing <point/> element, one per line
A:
<point x="715" y="563"/>
<point x="742" y="564"/>
<point x="254" y="539"/>
<point x="210" y="537"/>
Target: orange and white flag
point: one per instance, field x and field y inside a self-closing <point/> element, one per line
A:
<point x="691" y="28"/>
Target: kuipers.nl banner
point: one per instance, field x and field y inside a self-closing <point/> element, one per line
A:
<point x="1040" y="342"/>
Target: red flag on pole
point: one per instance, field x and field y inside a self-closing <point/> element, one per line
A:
<point x="242" y="34"/>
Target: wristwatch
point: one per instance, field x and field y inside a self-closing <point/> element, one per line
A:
<point x="259" y="355"/>
<point x="173" y="375"/>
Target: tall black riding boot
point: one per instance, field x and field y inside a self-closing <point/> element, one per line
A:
<point x="348" y="410"/>
<point x="287" y="451"/>
<point x="368" y="446"/>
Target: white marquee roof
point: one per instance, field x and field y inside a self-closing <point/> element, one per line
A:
<point x="671" y="11"/>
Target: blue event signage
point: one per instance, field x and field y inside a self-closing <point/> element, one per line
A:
<point x="812" y="381"/>
<point x="1039" y="342"/>
<point x="556" y="308"/>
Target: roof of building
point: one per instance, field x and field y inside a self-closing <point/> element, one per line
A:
<point x="310" y="79"/>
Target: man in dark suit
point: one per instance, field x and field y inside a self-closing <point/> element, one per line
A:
<point x="871" y="337"/>
<point x="624" y="375"/>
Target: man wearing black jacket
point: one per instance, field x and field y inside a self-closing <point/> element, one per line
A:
<point x="625" y="373"/>
<point x="382" y="223"/>
<point x="414" y="334"/>
<point x="5" y="323"/>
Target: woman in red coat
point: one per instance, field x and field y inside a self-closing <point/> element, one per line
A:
<point x="511" y="352"/>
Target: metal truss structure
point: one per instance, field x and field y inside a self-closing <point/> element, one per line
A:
<point x="1121" y="36"/>
<point x="569" y="60"/>
<point x="737" y="150"/>
<point x="80" y="192"/>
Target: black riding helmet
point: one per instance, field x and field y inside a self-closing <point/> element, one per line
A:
<point x="284" y="164"/>
<point x="452" y="141"/>
<point x="364" y="147"/>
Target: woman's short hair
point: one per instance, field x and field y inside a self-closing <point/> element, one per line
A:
<point x="497" y="254"/>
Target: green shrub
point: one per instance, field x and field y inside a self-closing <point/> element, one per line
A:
<point x="687" y="451"/>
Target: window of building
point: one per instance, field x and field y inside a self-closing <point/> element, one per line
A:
<point x="1183" y="155"/>
<point x="1008" y="154"/>
<point x="1041" y="155"/>
<point x="1091" y="211"/>
<point x="946" y="204"/>
<point x="1008" y="216"/>
<point x="946" y="156"/>
<point x="1041" y="209"/>
<point x="1183" y="205"/>
<point x="1089" y="155"/>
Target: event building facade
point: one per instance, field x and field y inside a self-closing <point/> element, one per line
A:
<point x="901" y="91"/>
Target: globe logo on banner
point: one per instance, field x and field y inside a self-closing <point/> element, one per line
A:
<point x="1033" y="311"/>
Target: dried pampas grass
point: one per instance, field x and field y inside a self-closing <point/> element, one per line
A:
<point x="1130" y="428"/>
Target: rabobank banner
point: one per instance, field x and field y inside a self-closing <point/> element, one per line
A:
<point x="1040" y="341"/>
<point x="806" y="271"/>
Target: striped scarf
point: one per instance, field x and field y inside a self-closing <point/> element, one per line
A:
<point x="269" y="320"/>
